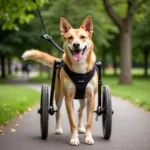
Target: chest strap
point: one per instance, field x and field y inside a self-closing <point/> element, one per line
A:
<point x="80" y="80"/>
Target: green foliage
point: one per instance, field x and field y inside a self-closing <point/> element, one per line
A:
<point x="121" y="7"/>
<point x="14" y="43"/>
<point x="12" y="11"/>
<point x="16" y="12"/>
<point x="15" y="15"/>
<point x="141" y="32"/>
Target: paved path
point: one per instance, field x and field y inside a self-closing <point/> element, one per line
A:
<point x="130" y="130"/>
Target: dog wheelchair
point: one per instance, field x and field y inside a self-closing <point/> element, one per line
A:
<point x="104" y="106"/>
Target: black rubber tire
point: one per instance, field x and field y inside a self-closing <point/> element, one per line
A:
<point x="44" y="111"/>
<point x="107" y="115"/>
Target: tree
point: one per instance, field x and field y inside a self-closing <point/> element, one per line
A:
<point x="124" y="25"/>
<point x="141" y="42"/>
<point x="5" y="51"/>
<point x="13" y="43"/>
<point x="13" y="12"/>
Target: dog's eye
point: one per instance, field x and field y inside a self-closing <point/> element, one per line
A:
<point x="82" y="37"/>
<point x="70" y="37"/>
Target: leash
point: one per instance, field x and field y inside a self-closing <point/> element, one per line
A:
<point x="46" y="36"/>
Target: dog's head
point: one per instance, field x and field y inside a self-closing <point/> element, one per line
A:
<point x="77" y="42"/>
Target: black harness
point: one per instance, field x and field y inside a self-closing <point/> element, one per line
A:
<point x="80" y="80"/>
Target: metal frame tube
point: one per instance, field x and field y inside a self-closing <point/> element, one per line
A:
<point x="98" y="64"/>
<point x="55" y="67"/>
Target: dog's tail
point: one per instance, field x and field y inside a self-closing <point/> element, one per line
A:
<point x="42" y="57"/>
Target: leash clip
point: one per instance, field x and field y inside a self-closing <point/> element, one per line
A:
<point x="46" y="36"/>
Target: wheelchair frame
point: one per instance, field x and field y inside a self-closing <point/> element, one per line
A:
<point x="104" y="107"/>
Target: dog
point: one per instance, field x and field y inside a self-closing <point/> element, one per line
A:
<point x="80" y="58"/>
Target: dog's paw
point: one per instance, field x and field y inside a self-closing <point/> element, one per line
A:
<point x="89" y="140"/>
<point x="58" y="131"/>
<point x="74" y="141"/>
<point x="81" y="129"/>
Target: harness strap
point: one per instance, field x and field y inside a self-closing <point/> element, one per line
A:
<point x="80" y="80"/>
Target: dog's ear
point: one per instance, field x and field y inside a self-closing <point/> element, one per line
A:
<point x="87" y="25"/>
<point x="64" y="26"/>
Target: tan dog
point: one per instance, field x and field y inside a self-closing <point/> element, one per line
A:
<point x="80" y="58"/>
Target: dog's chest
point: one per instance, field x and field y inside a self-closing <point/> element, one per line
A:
<point x="80" y="81"/>
<point x="80" y="68"/>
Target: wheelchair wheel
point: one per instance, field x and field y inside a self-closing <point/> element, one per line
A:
<point x="44" y="111"/>
<point x="107" y="112"/>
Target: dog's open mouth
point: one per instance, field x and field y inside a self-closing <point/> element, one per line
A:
<point x="77" y="55"/>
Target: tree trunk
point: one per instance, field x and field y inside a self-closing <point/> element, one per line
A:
<point x="9" y="65"/>
<point x="146" y="62"/>
<point x="125" y="56"/>
<point x="3" y="74"/>
<point x="125" y="26"/>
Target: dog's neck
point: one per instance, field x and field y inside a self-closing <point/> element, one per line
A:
<point x="83" y="66"/>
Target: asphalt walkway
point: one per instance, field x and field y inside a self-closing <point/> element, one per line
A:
<point x="130" y="129"/>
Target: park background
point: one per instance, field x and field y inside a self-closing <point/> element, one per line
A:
<point x="121" y="42"/>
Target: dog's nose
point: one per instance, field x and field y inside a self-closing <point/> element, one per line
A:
<point x="76" y="45"/>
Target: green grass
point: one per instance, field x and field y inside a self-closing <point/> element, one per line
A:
<point x="15" y="100"/>
<point x="135" y="71"/>
<point x="7" y="78"/>
<point x="137" y="93"/>
<point x="41" y="79"/>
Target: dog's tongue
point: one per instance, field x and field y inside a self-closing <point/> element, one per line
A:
<point x="77" y="55"/>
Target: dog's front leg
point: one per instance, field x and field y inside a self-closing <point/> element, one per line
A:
<point x="58" y="99"/>
<point x="90" y="109"/>
<point x="81" y="128"/>
<point x="74" y="134"/>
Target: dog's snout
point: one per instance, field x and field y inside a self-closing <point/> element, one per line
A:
<point x="76" y="45"/>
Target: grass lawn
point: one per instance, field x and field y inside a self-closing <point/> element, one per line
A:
<point x="15" y="100"/>
<point x="5" y="79"/>
<point x="135" y="71"/>
<point x="138" y="93"/>
<point x="43" y="78"/>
